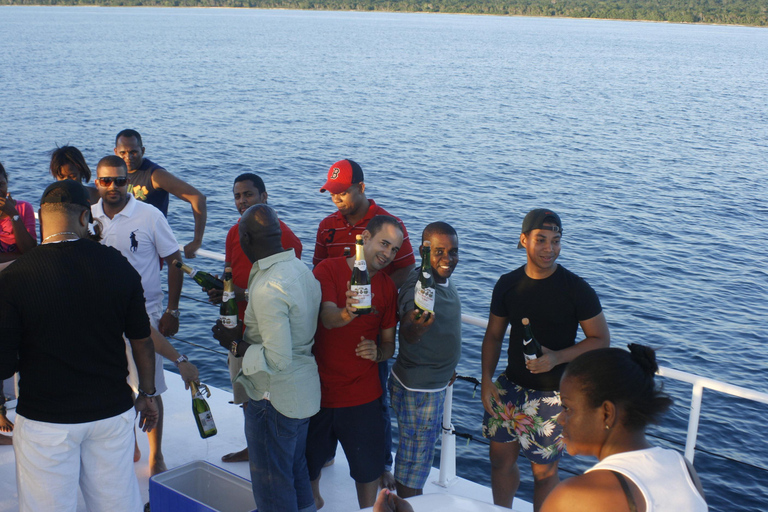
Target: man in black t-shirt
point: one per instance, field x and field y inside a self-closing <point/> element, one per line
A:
<point x="521" y="407"/>
<point x="63" y="312"/>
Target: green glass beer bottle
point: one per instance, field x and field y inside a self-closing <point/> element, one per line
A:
<point x="204" y="279"/>
<point x="531" y="346"/>
<point x="228" y="309"/>
<point x="424" y="296"/>
<point x="361" y="281"/>
<point x="202" y="411"/>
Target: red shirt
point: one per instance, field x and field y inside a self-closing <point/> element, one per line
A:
<point x="335" y="233"/>
<point x="241" y="265"/>
<point x="347" y="380"/>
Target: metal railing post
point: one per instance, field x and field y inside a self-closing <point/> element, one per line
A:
<point x="447" y="444"/>
<point x="693" y="421"/>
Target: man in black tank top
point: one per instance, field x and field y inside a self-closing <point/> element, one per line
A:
<point x="152" y="184"/>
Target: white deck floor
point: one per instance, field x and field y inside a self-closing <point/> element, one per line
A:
<point x="182" y="444"/>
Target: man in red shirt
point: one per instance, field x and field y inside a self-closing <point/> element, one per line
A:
<point x="347" y="359"/>
<point x="248" y="190"/>
<point x="336" y="237"/>
<point x="336" y="233"/>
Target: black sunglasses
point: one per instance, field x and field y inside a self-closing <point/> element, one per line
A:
<point x="119" y="181"/>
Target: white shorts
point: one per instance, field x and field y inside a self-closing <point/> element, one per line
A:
<point x="53" y="458"/>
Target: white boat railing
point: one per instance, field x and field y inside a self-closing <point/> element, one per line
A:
<point x="448" y="441"/>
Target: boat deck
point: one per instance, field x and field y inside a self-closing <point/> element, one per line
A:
<point x="182" y="444"/>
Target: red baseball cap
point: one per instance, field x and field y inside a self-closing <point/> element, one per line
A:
<point x="342" y="175"/>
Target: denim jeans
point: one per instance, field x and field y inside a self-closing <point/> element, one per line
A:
<point x="276" y="446"/>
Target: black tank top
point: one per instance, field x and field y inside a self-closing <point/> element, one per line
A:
<point x="142" y="189"/>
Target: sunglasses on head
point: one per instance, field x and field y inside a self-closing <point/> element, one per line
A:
<point x="120" y="181"/>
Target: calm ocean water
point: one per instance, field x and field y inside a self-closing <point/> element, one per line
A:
<point x="650" y="141"/>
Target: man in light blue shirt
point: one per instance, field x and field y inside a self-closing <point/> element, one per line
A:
<point x="279" y="371"/>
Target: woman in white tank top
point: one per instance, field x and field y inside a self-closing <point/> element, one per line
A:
<point x="609" y="397"/>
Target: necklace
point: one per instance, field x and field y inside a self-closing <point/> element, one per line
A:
<point x="61" y="233"/>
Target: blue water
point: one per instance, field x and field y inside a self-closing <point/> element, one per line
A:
<point x="650" y="141"/>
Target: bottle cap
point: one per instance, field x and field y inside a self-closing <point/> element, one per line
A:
<point x="526" y="321"/>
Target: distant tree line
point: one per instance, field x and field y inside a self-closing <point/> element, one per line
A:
<point x="742" y="12"/>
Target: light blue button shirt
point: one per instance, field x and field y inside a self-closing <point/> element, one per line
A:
<point x="281" y="319"/>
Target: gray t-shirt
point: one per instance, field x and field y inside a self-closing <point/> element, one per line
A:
<point x="428" y="365"/>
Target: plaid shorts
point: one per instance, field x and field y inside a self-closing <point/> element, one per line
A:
<point x="419" y="424"/>
<point x="529" y="417"/>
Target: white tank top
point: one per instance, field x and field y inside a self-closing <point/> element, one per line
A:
<point x="661" y="475"/>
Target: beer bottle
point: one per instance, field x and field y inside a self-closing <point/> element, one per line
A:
<point x="228" y="309"/>
<point x="202" y="411"/>
<point x="531" y="346"/>
<point x="204" y="279"/>
<point x="361" y="281"/>
<point x="424" y="297"/>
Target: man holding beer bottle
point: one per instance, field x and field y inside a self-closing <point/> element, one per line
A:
<point x="247" y="190"/>
<point x="430" y="348"/>
<point x="347" y="357"/>
<point x="556" y="302"/>
<point x="336" y="237"/>
<point x="279" y="372"/>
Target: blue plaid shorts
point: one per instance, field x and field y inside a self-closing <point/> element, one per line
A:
<point x="419" y="424"/>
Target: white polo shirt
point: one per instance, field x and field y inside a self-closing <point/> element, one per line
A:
<point x="142" y="234"/>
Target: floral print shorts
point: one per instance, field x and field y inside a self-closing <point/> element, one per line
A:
<point x="529" y="417"/>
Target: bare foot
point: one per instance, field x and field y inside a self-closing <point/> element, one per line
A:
<point x="136" y="451"/>
<point x="387" y="481"/>
<point x="389" y="502"/>
<point x="319" y="501"/>
<point x="157" y="466"/>
<point x="241" y="456"/>
<point x="6" y="440"/>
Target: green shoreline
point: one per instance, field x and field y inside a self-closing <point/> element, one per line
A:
<point x="752" y="13"/>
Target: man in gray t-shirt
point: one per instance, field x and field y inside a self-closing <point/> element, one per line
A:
<point x="429" y="350"/>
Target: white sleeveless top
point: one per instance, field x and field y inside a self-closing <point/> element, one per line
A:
<point x="661" y="475"/>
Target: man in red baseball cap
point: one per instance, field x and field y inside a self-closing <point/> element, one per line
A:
<point x="336" y="233"/>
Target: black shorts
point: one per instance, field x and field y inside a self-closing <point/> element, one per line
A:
<point x="359" y="429"/>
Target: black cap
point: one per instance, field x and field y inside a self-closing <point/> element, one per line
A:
<point x="535" y="219"/>
<point x="71" y="192"/>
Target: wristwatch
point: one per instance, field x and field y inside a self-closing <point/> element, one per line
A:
<point x="181" y="359"/>
<point x="247" y="295"/>
<point x="15" y="218"/>
<point x="175" y="313"/>
<point x="233" y="347"/>
<point x="143" y="393"/>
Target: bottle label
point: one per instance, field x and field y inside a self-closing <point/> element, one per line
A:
<point x="206" y="420"/>
<point x="527" y="346"/>
<point x="362" y="294"/>
<point x="424" y="298"/>
<point x="227" y="296"/>
<point x="361" y="264"/>
<point x="229" y="321"/>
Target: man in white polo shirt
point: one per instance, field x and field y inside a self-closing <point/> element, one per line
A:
<point x="142" y="234"/>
